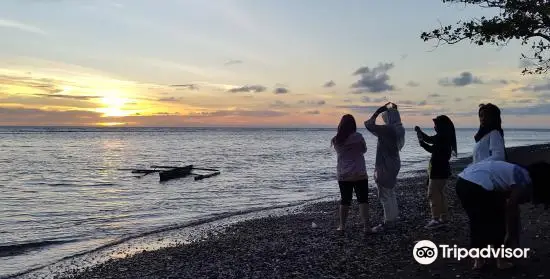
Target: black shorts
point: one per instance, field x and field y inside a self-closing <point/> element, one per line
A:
<point x="347" y="188"/>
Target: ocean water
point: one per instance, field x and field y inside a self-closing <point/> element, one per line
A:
<point x="61" y="192"/>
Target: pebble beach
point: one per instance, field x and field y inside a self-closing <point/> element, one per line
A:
<point x="304" y="244"/>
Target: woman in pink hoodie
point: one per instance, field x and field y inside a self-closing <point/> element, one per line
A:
<point x="350" y="147"/>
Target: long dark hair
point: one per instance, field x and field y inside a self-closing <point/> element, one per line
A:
<point x="446" y="129"/>
<point x="492" y="112"/>
<point x="346" y="127"/>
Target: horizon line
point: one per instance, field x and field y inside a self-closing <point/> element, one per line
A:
<point x="231" y="127"/>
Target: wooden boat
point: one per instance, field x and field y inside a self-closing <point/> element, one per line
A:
<point x="173" y="172"/>
<point x="203" y="176"/>
<point x="177" y="172"/>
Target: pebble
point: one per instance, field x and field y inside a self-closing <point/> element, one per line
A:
<point x="286" y="247"/>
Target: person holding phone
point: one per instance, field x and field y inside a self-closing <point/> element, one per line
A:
<point x="391" y="139"/>
<point x="441" y="146"/>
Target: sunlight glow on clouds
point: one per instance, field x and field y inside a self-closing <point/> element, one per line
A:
<point x="236" y="63"/>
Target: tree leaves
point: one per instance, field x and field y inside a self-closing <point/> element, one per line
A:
<point x="525" y="20"/>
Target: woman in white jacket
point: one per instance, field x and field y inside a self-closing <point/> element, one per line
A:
<point x="490" y="136"/>
<point x="391" y="139"/>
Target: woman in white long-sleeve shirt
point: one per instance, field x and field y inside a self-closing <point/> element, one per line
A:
<point x="490" y="136"/>
<point x="490" y="192"/>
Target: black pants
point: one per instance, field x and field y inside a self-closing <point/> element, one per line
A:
<point x="486" y="211"/>
<point x="361" y="188"/>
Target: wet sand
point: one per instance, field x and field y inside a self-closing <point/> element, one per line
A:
<point x="289" y="247"/>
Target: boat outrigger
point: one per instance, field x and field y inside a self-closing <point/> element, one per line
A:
<point x="171" y="172"/>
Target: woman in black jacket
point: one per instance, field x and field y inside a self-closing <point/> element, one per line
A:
<point x="442" y="145"/>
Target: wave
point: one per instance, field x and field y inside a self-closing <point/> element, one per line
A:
<point x="211" y="219"/>
<point x="414" y="161"/>
<point x="18" y="249"/>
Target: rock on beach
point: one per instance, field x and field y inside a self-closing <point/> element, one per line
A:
<point x="289" y="247"/>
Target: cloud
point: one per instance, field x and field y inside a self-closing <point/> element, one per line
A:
<point x="532" y="110"/>
<point x="464" y="79"/>
<point x="50" y="88"/>
<point x="542" y="87"/>
<point x="313" y="112"/>
<point x="186" y="86"/>
<point x="329" y="84"/>
<point x="38" y="117"/>
<point x="21" y="26"/>
<point x="504" y="81"/>
<point x="373" y="80"/>
<point x="313" y="102"/>
<point x="407" y="107"/>
<point x="526" y="63"/>
<point x="524" y="101"/>
<point x="280" y="90"/>
<point x="541" y="109"/>
<point x="367" y="99"/>
<point x="248" y="88"/>
<point x="43" y="84"/>
<point x="411" y="103"/>
<point x="166" y="113"/>
<point x="249" y="113"/>
<point x="279" y="104"/>
<point x="170" y="100"/>
<point x="378" y="100"/>
<point x="73" y="97"/>
<point x="413" y="84"/>
<point x="233" y="62"/>
<point x="359" y="109"/>
<point x="46" y="100"/>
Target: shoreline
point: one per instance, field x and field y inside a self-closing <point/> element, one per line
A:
<point x="185" y="233"/>
<point x="287" y="245"/>
<point x="284" y="244"/>
<point x="163" y="237"/>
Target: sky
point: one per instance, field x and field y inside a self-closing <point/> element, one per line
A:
<point x="251" y="63"/>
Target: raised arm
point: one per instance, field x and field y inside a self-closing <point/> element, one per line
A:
<point x="423" y="137"/>
<point x="370" y="124"/>
<point x="427" y="147"/>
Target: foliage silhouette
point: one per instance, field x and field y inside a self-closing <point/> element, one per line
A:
<point x="525" y="20"/>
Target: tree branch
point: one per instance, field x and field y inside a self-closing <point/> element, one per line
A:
<point x="518" y="19"/>
<point x="546" y="37"/>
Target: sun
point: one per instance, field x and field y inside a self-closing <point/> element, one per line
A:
<point x="113" y="101"/>
<point x="113" y="106"/>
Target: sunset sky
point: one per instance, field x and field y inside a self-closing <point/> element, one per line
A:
<point x="283" y="63"/>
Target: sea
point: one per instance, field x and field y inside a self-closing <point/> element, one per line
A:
<point x="63" y="193"/>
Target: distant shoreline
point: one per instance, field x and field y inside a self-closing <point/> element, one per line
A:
<point x="238" y="127"/>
